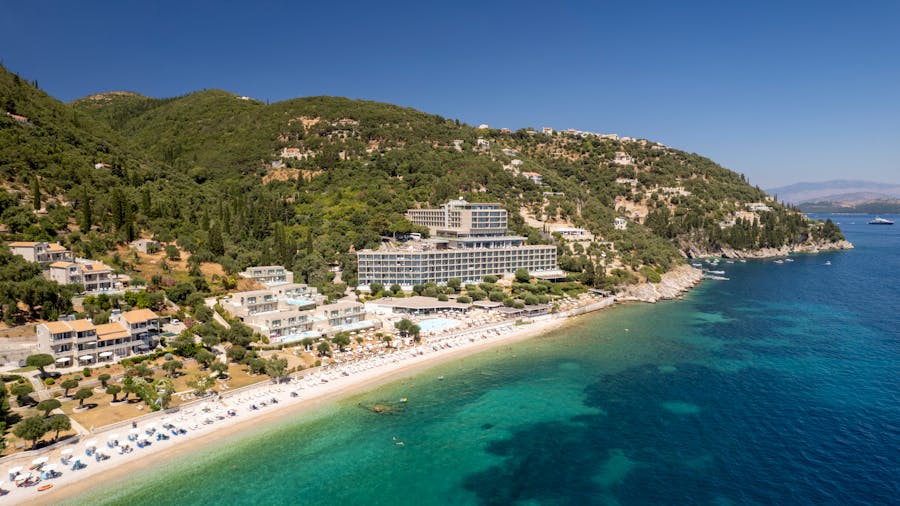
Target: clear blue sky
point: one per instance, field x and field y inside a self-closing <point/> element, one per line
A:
<point x="781" y="91"/>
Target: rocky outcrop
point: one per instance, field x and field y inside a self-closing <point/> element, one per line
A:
<point x="806" y="247"/>
<point x="692" y="251"/>
<point x="672" y="285"/>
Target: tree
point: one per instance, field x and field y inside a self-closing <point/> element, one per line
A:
<point x="387" y="339"/>
<point x="376" y="288"/>
<point x="204" y="357"/>
<point x="48" y="405"/>
<point x="172" y="367"/>
<point x="172" y="252"/>
<point x="215" y="243"/>
<point x="454" y="283"/>
<point x="59" y="423"/>
<point x="324" y="349"/>
<point x="236" y="353"/>
<point x="201" y="384"/>
<point x="276" y="368"/>
<point x="113" y="390"/>
<point x="87" y="215"/>
<point x="104" y="379"/>
<point x="184" y="345"/>
<point x="220" y="368"/>
<point x="82" y="394"/>
<point x="40" y="360"/>
<point x="143" y="370"/>
<point x="36" y="192"/>
<point x="522" y="276"/>
<point x="21" y="392"/>
<point x="68" y="385"/>
<point x="341" y="339"/>
<point x="32" y="429"/>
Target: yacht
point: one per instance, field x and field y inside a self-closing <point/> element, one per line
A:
<point x="880" y="221"/>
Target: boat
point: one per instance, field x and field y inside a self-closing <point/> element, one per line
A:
<point x="47" y="486"/>
<point x="716" y="272"/>
<point x="881" y="221"/>
<point x="716" y="278"/>
<point x="828" y="262"/>
<point x="779" y="261"/>
<point x="788" y="259"/>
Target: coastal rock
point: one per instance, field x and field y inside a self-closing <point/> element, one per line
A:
<point x="673" y="284"/>
<point x="806" y="247"/>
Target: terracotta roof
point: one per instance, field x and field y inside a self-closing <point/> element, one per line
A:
<point x="62" y="265"/>
<point x="139" y="315"/>
<point x="81" y="325"/>
<point x="21" y="244"/>
<point x="94" y="267"/>
<point x="109" y="331"/>
<point x="56" y="247"/>
<point x="58" y="327"/>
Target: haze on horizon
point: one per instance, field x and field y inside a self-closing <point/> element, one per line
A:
<point x="780" y="92"/>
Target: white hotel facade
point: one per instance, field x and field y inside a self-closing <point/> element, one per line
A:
<point x="471" y="243"/>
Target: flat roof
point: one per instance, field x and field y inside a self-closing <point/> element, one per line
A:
<point x="419" y="302"/>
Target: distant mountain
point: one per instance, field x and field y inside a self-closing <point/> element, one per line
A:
<point x="839" y="190"/>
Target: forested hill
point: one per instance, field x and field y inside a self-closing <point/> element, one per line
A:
<point x="306" y="182"/>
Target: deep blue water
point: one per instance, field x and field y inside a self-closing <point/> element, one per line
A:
<point x="780" y="386"/>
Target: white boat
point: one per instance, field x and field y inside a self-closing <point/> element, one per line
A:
<point x="881" y="221"/>
<point x="828" y="262"/>
<point x="779" y="261"/>
<point x="788" y="259"/>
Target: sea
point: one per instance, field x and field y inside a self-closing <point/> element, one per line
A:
<point x="780" y="385"/>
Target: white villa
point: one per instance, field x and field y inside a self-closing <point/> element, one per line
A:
<point x="41" y="252"/>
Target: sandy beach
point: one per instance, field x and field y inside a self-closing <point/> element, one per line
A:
<point x="206" y="422"/>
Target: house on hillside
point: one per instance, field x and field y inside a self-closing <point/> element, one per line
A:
<point x="146" y="246"/>
<point x="41" y="252"/>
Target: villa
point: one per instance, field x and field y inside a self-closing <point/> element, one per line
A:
<point x="93" y="276"/>
<point x="471" y="243"/>
<point x="268" y="274"/>
<point x="41" y="252"/>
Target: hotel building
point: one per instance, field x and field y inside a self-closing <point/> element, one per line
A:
<point x="472" y="243"/>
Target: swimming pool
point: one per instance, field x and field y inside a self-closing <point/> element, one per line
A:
<point x="437" y="324"/>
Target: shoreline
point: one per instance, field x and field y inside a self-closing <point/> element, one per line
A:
<point x="340" y="382"/>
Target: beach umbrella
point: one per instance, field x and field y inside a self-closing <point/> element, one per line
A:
<point x="91" y="443"/>
<point x="51" y="468"/>
<point x="14" y="470"/>
<point x="67" y="451"/>
<point x="134" y="431"/>
<point x="20" y="477"/>
<point x="39" y="461"/>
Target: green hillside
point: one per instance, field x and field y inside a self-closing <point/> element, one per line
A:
<point x="208" y="171"/>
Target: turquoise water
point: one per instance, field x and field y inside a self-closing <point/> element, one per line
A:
<point x="434" y="324"/>
<point x="781" y="386"/>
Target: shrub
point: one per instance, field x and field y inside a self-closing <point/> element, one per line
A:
<point x="49" y="381"/>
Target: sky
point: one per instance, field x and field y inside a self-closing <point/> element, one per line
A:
<point x="781" y="91"/>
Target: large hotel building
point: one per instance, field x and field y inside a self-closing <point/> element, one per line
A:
<point x="469" y="242"/>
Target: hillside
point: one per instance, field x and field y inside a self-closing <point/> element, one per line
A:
<point x="306" y="182"/>
<point x="838" y="190"/>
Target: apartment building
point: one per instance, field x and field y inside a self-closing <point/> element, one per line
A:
<point x="81" y="342"/>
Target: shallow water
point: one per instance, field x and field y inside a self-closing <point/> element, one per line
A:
<point x="780" y="386"/>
